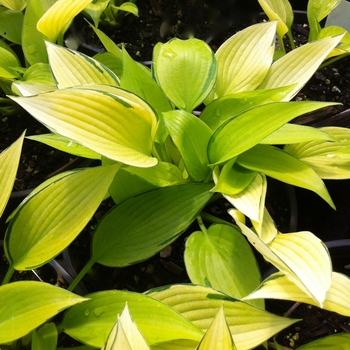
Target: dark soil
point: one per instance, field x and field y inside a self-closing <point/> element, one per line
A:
<point x="161" y="20"/>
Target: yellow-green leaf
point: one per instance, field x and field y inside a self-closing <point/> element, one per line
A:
<point x="18" y="5"/>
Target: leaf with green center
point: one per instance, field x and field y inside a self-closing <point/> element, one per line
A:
<point x="186" y="71"/>
<point x="110" y="121"/>
<point x="252" y="126"/>
<point x="244" y="59"/>
<point x="66" y="145"/>
<point x="55" y="216"/>
<point x="57" y="18"/>
<point x="9" y="160"/>
<point x="301" y="256"/>
<point x="249" y="326"/>
<point x="278" y="286"/>
<point x="298" y="66"/>
<point x="220" y="258"/>
<point x="191" y="136"/>
<point x="25" y="305"/>
<point x="280" y="165"/>
<point x="11" y="22"/>
<point x="92" y="321"/>
<point x="72" y="68"/>
<point x="142" y="226"/>
<point x="227" y="107"/>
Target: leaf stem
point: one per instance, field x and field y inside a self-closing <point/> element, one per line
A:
<point x="8" y="275"/>
<point x="81" y="274"/>
<point x="201" y="225"/>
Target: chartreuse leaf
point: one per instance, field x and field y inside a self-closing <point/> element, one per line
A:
<point x="280" y="165"/>
<point x="249" y="326"/>
<point x="220" y="258"/>
<point x="252" y="126"/>
<point x="244" y="59"/>
<point x="191" y="136"/>
<point x="110" y="121"/>
<point x="294" y="133"/>
<point x="56" y="19"/>
<point x="298" y="65"/>
<point x="92" y="321"/>
<point x="135" y="230"/>
<point x="186" y="71"/>
<point x="125" y="334"/>
<point x="335" y="341"/>
<point x="95" y="10"/>
<point x="129" y="7"/>
<point x="177" y="344"/>
<point x="301" y="256"/>
<point x="55" y="216"/>
<point x="278" y="286"/>
<point x="72" y="68"/>
<point x="8" y="63"/>
<point x="229" y="106"/>
<point x="25" y="305"/>
<point x="66" y="145"/>
<point x="16" y="5"/>
<point x="135" y="79"/>
<point x="45" y="338"/>
<point x="218" y="336"/>
<point x="9" y="160"/>
<point x="321" y="8"/>
<point x="11" y="22"/>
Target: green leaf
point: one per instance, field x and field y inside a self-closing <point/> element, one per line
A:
<point x="186" y="71"/>
<point x="191" y="136"/>
<point x="177" y="344"/>
<point x="110" y="61"/>
<point x="221" y="257"/>
<point x="298" y="66"/>
<point x="58" y="17"/>
<point x="249" y="326"/>
<point x="25" y="305"/>
<point x="135" y="79"/>
<point x="72" y="68"/>
<point x="252" y="126"/>
<point x="141" y="226"/>
<point x="244" y="59"/>
<point x="11" y="22"/>
<point x="230" y="106"/>
<point x="66" y="145"/>
<point x="108" y="120"/>
<point x="9" y="160"/>
<point x="125" y="334"/>
<point x="45" y="338"/>
<point x="55" y="216"/>
<point x="129" y="7"/>
<point x="218" y="336"/>
<point x="92" y="321"/>
<point x="278" y="164"/>
<point x="16" y="5"/>
<point x="8" y="63"/>
<point x="335" y="341"/>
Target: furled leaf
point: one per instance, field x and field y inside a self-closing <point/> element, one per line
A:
<point x="218" y="336"/>
<point x="252" y="126"/>
<point x="186" y="71"/>
<point x="66" y="145"/>
<point x="278" y="286"/>
<point x="301" y="256"/>
<point x="249" y="326"/>
<point x="191" y="136"/>
<point x="105" y="119"/>
<point x="9" y="160"/>
<point x="72" y="68"/>
<point x="95" y="10"/>
<point x="229" y="106"/>
<point x="45" y="338"/>
<point x="11" y="22"/>
<point x="141" y="226"/>
<point x="55" y="216"/>
<point x="130" y="7"/>
<point x="57" y="18"/>
<point x="220" y="258"/>
<point x="92" y="321"/>
<point x="335" y="341"/>
<point x="25" y="305"/>
<point x="244" y="59"/>
<point x="125" y="334"/>
<point x="278" y="164"/>
<point x="298" y="66"/>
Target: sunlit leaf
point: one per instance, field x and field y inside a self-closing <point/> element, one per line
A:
<point x="25" y="305"/>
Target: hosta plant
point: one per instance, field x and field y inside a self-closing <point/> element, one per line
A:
<point x="196" y="128"/>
